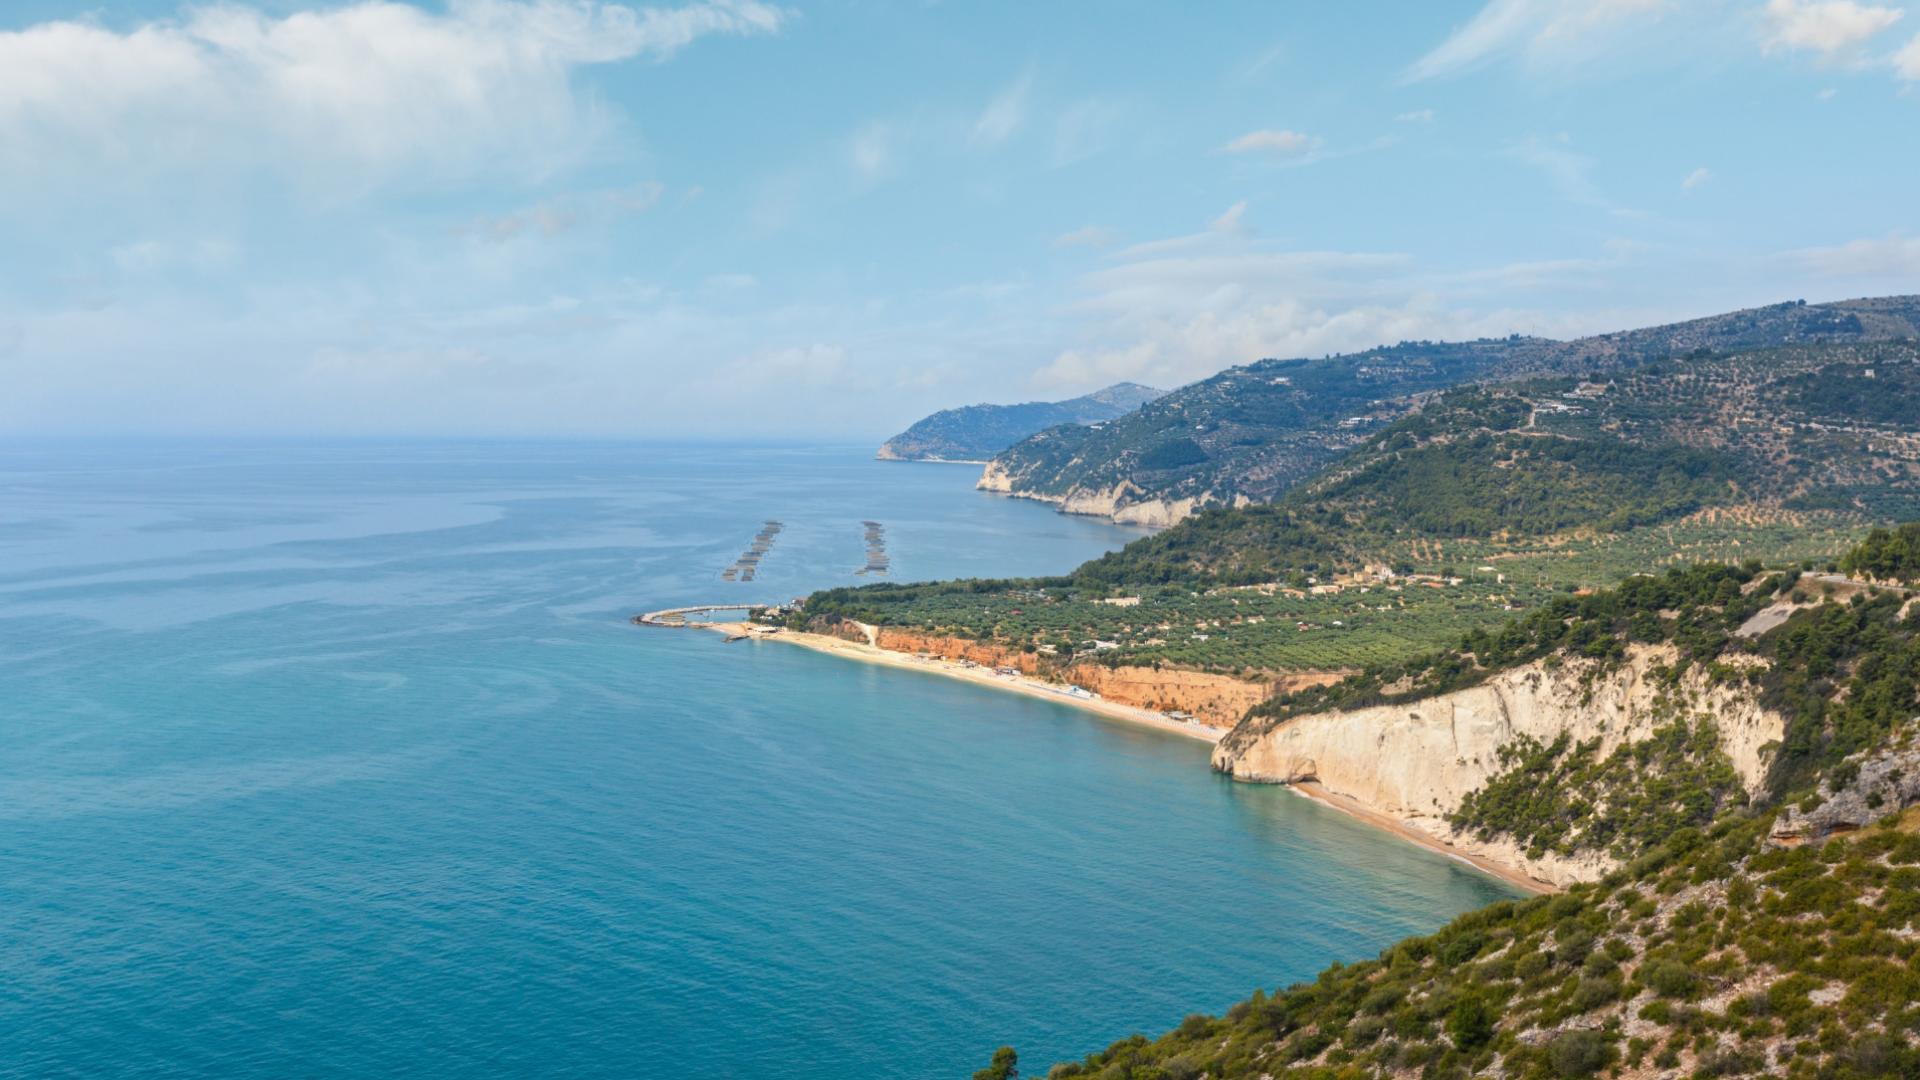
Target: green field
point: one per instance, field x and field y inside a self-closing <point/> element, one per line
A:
<point x="1252" y="629"/>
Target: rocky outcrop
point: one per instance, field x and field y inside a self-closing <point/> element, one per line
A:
<point x="1871" y="788"/>
<point x="1416" y="762"/>
<point x="1124" y="503"/>
<point x="1213" y="699"/>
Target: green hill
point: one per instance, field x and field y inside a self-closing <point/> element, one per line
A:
<point x="1787" y="429"/>
<point x="1778" y="936"/>
<point x="977" y="432"/>
<point x="1253" y="432"/>
<point x="1499" y="498"/>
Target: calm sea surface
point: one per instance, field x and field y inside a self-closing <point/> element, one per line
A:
<point x="342" y="760"/>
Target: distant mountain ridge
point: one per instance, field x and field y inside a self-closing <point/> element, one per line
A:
<point x="978" y="432"/>
<point x="1250" y="433"/>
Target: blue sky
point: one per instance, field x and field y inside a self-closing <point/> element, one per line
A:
<point x="828" y="218"/>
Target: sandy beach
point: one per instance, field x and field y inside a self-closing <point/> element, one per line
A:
<point x="1022" y="684"/>
<point x="1019" y="684"/>
<point x="1363" y="812"/>
<point x="1131" y="714"/>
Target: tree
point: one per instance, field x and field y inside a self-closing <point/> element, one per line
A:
<point x="1005" y="1066"/>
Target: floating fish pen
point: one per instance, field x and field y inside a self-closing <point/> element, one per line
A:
<point x="878" y="561"/>
<point x="748" y="564"/>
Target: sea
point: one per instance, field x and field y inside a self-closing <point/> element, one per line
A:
<point x="343" y="759"/>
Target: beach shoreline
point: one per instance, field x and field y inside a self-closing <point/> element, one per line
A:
<point x="1032" y="687"/>
<point x="1354" y="808"/>
<point x="979" y="676"/>
<point x="1113" y="710"/>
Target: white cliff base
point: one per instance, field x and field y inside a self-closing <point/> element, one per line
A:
<point x="1124" y="503"/>
<point x="1416" y="762"/>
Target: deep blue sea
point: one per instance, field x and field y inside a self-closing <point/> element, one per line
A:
<point x="331" y="760"/>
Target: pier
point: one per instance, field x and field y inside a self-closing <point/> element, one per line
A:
<point x="684" y="616"/>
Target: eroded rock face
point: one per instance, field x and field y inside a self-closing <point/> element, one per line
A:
<point x="1124" y="502"/>
<point x="1417" y="761"/>
<point x="1886" y="783"/>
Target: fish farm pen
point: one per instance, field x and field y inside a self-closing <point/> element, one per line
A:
<point x="748" y="564"/>
<point x="878" y="561"/>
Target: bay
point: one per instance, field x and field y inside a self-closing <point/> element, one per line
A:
<point x="342" y="759"/>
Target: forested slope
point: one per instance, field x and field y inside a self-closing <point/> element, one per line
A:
<point x="1252" y="432"/>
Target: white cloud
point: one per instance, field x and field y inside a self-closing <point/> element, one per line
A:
<point x="1282" y="143"/>
<point x="799" y="365"/>
<point x="1907" y="61"/>
<point x="1233" y="221"/>
<point x="1889" y="256"/>
<point x="373" y="87"/>
<point x="1417" y="116"/>
<point x="1695" y="178"/>
<point x="1828" y="27"/>
<point x="1169" y="313"/>
<point x="1003" y="115"/>
<point x="1544" y="33"/>
<point x="1086" y="236"/>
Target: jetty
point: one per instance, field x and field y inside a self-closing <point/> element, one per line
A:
<point x="700" y="615"/>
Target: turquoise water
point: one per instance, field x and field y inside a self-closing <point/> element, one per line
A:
<point x="342" y="760"/>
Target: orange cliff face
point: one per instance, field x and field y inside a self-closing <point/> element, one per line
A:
<point x="1213" y="699"/>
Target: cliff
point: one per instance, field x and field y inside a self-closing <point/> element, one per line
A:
<point x="1124" y="503"/>
<point x="1417" y="762"/>
<point x="1218" y="701"/>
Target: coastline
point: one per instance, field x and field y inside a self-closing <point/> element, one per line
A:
<point x="1309" y="789"/>
<point x="1023" y="684"/>
<point x="980" y="676"/>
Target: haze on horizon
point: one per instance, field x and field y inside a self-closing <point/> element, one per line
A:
<point x="576" y="217"/>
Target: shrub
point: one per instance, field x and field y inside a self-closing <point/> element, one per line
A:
<point x="1572" y="945"/>
<point x="1530" y="965"/>
<point x="1579" y="1053"/>
<point x="1470" y="1024"/>
<point x="1668" y="978"/>
<point x="1590" y="994"/>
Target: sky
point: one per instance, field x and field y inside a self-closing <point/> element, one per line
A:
<point x="826" y="218"/>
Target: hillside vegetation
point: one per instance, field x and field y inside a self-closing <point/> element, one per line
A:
<point x="1887" y="555"/>
<point x="1545" y="456"/>
<point x="1488" y="500"/>
<point x="978" y="432"/>
<point x="1253" y="432"/>
<point x="1764" y="937"/>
